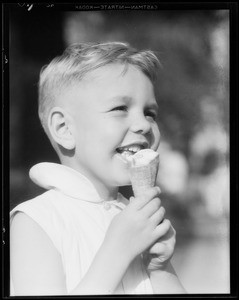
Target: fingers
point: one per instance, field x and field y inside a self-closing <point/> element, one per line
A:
<point x="157" y="216"/>
<point x="167" y="241"/>
<point x="152" y="207"/>
<point x="146" y="197"/>
<point x="157" y="248"/>
<point x="162" y="229"/>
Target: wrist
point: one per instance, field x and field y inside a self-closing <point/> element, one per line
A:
<point x="154" y="263"/>
<point x="164" y="267"/>
<point x="117" y="254"/>
<point x="165" y="281"/>
<point x="158" y="267"/>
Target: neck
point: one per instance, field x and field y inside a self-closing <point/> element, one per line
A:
<point x="105" y="192"/>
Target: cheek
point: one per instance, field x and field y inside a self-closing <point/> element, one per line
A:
<point x="156" y="135"/>
<point x="111" y="134"/>
<point x="100" y="136"/>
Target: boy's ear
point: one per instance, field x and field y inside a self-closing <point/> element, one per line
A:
<point x="60" y="128"/>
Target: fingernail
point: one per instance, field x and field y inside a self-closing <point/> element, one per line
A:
<point x="159" y="190"/>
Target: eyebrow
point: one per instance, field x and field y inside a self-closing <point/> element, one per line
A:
<point x="153" y="106"/>
<point x="128" y="99"/>
<point x="124" y="98"/>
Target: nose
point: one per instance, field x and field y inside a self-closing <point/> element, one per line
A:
<point x="140" y="124"/>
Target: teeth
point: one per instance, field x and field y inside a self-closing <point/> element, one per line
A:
<point x="130" y="150"/>
<point x="134" y="148"/>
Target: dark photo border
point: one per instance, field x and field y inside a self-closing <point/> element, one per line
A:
<point x="25" y="8"/>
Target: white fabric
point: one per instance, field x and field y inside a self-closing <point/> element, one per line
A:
<point x="76" y="219"/>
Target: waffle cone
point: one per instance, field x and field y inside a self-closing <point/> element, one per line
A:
<point x="143" y="170"/>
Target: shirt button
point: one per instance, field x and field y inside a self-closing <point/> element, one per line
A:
<point x="106" y="205"/>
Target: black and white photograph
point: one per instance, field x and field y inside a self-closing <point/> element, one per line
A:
<point x="119" y="149"/>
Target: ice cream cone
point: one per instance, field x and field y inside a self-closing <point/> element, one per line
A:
<point x="143" y="170"/>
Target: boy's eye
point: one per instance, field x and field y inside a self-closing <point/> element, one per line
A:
<point x="120" y="108"/>
<point x="151" y="114"/>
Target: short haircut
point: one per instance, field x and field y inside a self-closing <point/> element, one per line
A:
<point x="80" y="59"/>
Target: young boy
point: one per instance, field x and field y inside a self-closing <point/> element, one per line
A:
<point x="96" y="104"/>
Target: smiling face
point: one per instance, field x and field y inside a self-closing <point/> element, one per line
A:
<point x="113" y="115"/>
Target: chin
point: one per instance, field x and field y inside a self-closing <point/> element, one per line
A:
<point x="124" y="184"/>
<point x="122" y="181"/>
<point x="120" y="177"/>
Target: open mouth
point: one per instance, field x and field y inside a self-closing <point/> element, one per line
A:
<point x="131" y="149"/>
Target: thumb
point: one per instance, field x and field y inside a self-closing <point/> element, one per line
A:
<point x="157" y="248"/>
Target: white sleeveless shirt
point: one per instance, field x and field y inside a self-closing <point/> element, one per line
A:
<point x="76" y="219"/>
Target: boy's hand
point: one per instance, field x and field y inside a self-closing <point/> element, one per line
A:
<point x="137" y="227"/>
<point x="159" y="255"/>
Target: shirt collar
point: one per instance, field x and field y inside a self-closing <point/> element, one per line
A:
<point x="67" y="180"/>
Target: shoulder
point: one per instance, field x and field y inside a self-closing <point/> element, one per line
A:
<point x="39" y="201"/>
<point x="21" y="220"/>
<point x="40" y="208"/>
<point x="28" y="239"/>
<point x="24" y="229"/>
<point x="35" y="262"/>
<point x="36" y="216"/>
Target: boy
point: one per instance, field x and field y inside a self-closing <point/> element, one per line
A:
<point x="96" y="104"/>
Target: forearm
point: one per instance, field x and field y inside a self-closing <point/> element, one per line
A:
<point x="104" y="274"/>
<point x="165" y="281"/>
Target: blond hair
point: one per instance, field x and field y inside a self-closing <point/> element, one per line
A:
<point x="80" y="59"/>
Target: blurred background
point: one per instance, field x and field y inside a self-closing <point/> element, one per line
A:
<point x="193" y="97"/>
